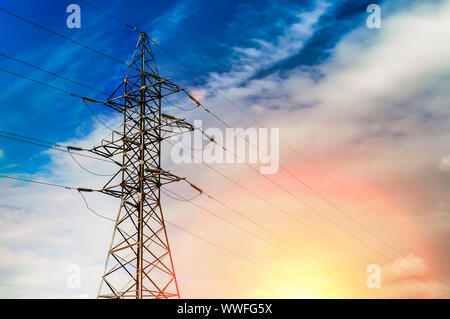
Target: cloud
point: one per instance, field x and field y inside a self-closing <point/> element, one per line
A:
<point x="444" y="164"/>
<point x="379" y="99"/>
<point x="48" y="229"/>
<point x="1" y="154"/>
<point x="169" y="20"/>
<point x="438" y="221"/>
<point x="199" y="95"/>
<point x="406" y="267"/>
<point x="246" y="62"/>
<point x="410" y="277"/>
<point x="381" y="91"/>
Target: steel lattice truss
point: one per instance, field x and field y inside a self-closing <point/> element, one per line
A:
<point x="139" y="262"/>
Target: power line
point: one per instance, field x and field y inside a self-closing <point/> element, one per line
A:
<point x="62" y="36"/>
<point x="41" y="83"/>
<point x="304" y="203"/>
<point x="182" y="108"/>
<point x="343" y="276"/>
<point x="80" y="191"/>
<point x="276" y="207"/>
<point x="292" y="216"/>
<point x="56" y="147"/>
<point x="84" y="168"/>
<point x="97" y="117"/>
<point x="39" y="182"/>
<point x="104" y="217"/>
<point x="54" y="74"/>
<point x="30" y="141"/>
<point x="111" y="16"/>
<point x="63" y="91"/>
<point x="33" y="139"/>
<point x="414" y="239"/>
<point x="177" y="197"/>
<point x="317" y="194"/>
<point x="312" y="208"/>
<point x="93" y="211"/>
<point x="204" y="240"/>
<point x="298" y="154"/>
<point x="230" y="252"/>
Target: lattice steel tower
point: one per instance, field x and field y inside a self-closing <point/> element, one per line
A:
<point x="139" y="262"/>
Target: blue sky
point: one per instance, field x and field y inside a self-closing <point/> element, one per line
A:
<point x="201" y="34"/>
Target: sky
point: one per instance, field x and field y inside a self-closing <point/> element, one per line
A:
<point x="363" y="115"/>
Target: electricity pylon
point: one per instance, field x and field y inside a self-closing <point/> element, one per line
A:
<point x="139" y="262"/>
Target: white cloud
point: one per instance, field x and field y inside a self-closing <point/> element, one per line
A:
<point x="406" y="267"/>
<point x="444" y="164"/>
<point x="410" y="277"/>
<point x="378" y="114"/>
<point x="248" y="61"/>
<point x="1" y="154"/>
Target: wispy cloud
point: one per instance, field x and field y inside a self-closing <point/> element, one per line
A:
<point x="444" y="164"/>
<point x="247" y="61"/>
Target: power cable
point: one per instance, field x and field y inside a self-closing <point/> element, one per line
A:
<point x="323" y="265"/>
<point x="54" y="74"/>
<point x="111" y="16"/>
<point x="301" y="156"/>
<point x="312" y="208"/>
<point x="41" y="83"/>
<point x="84" y="168"/>
<point x="88" y="207"/>
<point x="56" y="147"/>
<point x="61" y="36"/>
<point x="97" y="117"/>
<point x="178" y="197"/>
<point x="61" y="90"/>
<point x="288" y="214"/>
<point x="39" y="182"/>
<point x="181" y="108"/>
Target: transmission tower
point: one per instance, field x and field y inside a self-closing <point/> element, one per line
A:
<point x="139" y="262"/>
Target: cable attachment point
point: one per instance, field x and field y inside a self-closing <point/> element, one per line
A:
<point x="154" y="42"/>
<point x="198" y="189"/>
<point x="131" y="27"/>
<point x="193" y="98"/>
<point x="89" y="99"/>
